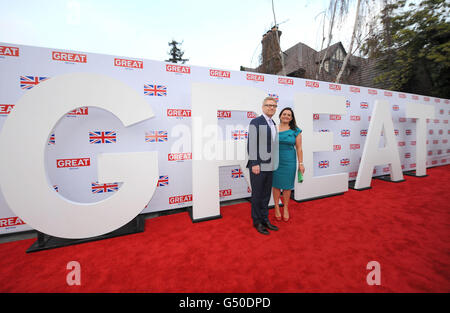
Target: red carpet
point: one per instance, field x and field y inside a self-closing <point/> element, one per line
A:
<point x="324" y="248"/>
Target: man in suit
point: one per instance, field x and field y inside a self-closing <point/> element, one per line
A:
<point x="262" y="136"/>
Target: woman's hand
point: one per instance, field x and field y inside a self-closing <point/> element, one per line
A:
<point x="301" y="168"/>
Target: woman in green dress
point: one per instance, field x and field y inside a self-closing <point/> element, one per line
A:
<point x="290" y="149"/>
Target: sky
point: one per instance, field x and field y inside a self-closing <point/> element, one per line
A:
<point x="219" y="34"/>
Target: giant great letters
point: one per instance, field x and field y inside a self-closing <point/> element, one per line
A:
<point x="177" y="138"/>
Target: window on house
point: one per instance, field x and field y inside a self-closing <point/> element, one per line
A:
<point x="339" y="55"/>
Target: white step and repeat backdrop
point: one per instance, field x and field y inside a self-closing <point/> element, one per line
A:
<point x="73" y="145"/>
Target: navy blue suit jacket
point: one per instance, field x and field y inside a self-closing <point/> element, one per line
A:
<point x="259" y="150"/>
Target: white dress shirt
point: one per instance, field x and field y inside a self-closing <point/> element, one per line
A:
<point x="271" y="123"/>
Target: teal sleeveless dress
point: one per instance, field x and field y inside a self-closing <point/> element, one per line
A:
<point x="284" y="175"/>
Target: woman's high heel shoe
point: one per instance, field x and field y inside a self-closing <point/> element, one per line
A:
<point x="278" y="218"/>
<point x="286" y="219"/>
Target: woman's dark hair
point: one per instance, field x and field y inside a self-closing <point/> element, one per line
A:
<point x="292" y="123"/>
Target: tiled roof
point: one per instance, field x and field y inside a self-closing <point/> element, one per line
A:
<point x="303" y="61"/>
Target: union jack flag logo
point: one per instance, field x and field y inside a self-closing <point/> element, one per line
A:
<point x="103" y="188"/>
<point x="156" y="136"/>
<point x="51" y="140"/>
<point x="99" y="137"/>
<point x="345" y="162"/>
<point x="55" y="187"/>
<point x="364" y="105"/>
<point x="396" y="132"/>
<point x="347" y="103"/>
<point x="324" y="164"/>
<point x="324" y="130"/>
<point x="395" y="107"/>
<point x="345" y="133"/>
<point x="28" y="82"/>
<point x="240" y="134"/>
<point x="155" y="90"/>
<point x="408" y="132"/>
<point x="275" y="96"/>
<point x="363" y="132"/>
<point x="163" y="181"/>
<point x="236" y="173"/>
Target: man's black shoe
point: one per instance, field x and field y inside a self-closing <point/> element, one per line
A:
<point x="270" y="226"/>
<point x="261" y="229"/>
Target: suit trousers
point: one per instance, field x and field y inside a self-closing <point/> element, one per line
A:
<point x="261" y="185"/>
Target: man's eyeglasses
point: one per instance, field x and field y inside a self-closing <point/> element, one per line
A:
<point x="271" y="105"/>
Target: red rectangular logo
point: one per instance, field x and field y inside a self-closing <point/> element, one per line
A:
<point x="334" y="87"/>
<point x="128" y="63"/>
<point x="355" y="89"/>
<point x="255" y="77"/>
<point x="355" y="118"/>
<point x="355" y="146"/>
<point x="316" y="116"/>
<point x="11" y="221"/>
<point x="225" y="193"/>
<point x="179" y="156"/>
<point x="9" y="51"/>
<point x="337" y="147"/>
<point x="180" y="199"/>
<point x="224" y="114"/>
<point x="79" y="162"/>
<point x="312" y="84"/>
<point x="5" y="109"/>
<point x="415" y="97"/>
<point x="178" y="69"/>
<point x="178" y="112"/>
<point x="372" y="92"/>
<point x="388" y="94"/>
<point x="69" y="57"/>
<point x="285" y="81"/>
<point x="218" y="73"/>
<point x="334" y="117"/>
<point x="437" y="100"/>
<point x="79" y="111"/>
<point x="426" y="99"/>
<point x="402" y="95"/>
<point x="401" y="143"/>
<point x="251" y="114"/>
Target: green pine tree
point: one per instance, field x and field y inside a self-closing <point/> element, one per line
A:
<point x="176" y="53"/>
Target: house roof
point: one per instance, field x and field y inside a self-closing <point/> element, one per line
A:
<point x="301" y="60"/>
<point x="330" y="51"/>
<point x="297" y="57"/>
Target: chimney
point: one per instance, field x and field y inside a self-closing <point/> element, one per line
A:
<point x="271" y="60"/>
